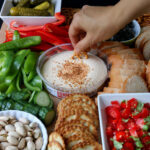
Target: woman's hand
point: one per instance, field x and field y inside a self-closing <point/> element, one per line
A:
<point x="95" y="24"/>
<point x="92" y="25"/>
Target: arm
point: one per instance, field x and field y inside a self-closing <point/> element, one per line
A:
<point x="95" y="24"/>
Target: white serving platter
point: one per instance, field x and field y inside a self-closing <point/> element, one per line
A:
<point x="104" y="100"/>
<point x="28" y="20"/>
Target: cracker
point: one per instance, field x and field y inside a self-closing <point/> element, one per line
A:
<point x="54" y="146"/>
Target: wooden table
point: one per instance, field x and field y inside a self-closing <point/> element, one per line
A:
<point x="56" y="100"/>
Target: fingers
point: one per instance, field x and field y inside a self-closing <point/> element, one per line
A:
<point x="83" y="44"/>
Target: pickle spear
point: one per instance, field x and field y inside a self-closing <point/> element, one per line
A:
<point x="22" y="11"/>
<point x="23" y="3"/>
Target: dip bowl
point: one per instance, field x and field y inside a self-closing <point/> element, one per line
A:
<point x="60" y="92"/>
<point x="43" y="58"/>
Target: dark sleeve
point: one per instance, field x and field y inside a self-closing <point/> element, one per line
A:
<point x="80" y="3"/>
<point x="1" y="2"/>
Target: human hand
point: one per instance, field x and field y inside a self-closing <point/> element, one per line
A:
<point x="92" y="25"/>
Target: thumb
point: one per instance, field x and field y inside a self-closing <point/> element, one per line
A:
<point x="83" y="44"/>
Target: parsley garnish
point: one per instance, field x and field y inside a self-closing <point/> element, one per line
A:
<point x="117" y="145"/>
<point x="147" y="119"/>
<point x="139" y="106"/>
<point x="125" y="120"/>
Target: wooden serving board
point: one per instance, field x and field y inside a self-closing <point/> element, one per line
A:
<point x="56" y="100"/>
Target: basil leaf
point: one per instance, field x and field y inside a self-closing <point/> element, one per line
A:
<point x="139" y="106"/>
<point x="147" y="119"/>
<point x="125" y="120"/>
<point x="117" y="145"/>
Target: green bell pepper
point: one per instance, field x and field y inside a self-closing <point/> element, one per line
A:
<point x="16" y="35"/>
<point x="18" y="61"/>
<point x="6" y="59"/>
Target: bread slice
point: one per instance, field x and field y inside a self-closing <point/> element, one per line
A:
<point x="146" y="50"/>
<point x="139" y="44"/>
<point x="118" y="85"/>
<point x="54" y="136"/>
<point x="135" y="84"/>
<point x="54" y="146"/>
<point x="112" y="90"/>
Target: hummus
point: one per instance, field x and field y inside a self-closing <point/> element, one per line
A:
<point x="74" y="75"/>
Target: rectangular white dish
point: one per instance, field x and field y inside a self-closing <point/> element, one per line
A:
<point x="104" y="100"/>
<point x="28" y="20"/>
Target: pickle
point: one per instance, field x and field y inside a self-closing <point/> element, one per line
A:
<point x="42" y="6"/>
<point x="51" y="9"/>
<point x="21" y="11"/>
<point x="23" y="3"/>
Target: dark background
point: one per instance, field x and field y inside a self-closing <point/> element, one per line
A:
<point x="79" y="3"/>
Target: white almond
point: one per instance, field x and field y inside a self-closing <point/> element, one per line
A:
<point x="29" y="133"/>
<point x="37" y="133"/>
<point x="21" y="130"/>
<point x="11" y="148"/>
<point x="3" y="132"/>
<point x="33" y="125"/>
<point x="2" y="123"/>
<point x="12" y="140"/>
<point x="39" y="143"/>
<point x="14" y="133"/>
<point x="9" y="128"/>
<point x="4" y="145"/>
<point x="30" y="145"/>
<point x="28" y="139"/>
<point x="4" y="118"/>
<point x="28" y="128"/>
<point x="22" y="143"/>
<point x="18" y="124"/>
<point x="3" y="139"/>
<point x="24" y="120"/>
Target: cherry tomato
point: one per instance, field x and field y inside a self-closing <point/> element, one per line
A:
<point x="146" y="140"/>
<point x="132" y="103"/>
<point x="144" y="113"/>
<point x="112" y="122"/>
<point x="115" y="104"/>
<point x="133" y="132"/>
<point x="109" y="131"/>
<point x="120" y="136"/>
<point x="113" y="112"/>
<point x="121" y="125"/>
<point x="128" y="146"/>
<point x="141" y="133"/>
<point x="147" y="105"/>
<point x="140" y="122"/>
<point x="123" y="104"/>
<point x="126" y="113"/>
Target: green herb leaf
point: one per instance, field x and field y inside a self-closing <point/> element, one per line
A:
<point x="135" y="138"/>
<point x="145" y="127"/>
<point x="147" y="119"/>
<point x="139" y="106"/>
<point x="139" y="144"/>
<point x="125" y="120"/>
<point x="117" y="145"/>
<point x="149" y="133"/>
<point x="135" y="113"/>
<point x="138" y="148"/>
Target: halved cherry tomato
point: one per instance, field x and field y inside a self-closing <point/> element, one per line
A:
<point x="115" y="104"/>
<point x="140" y="122"/>
<point x="132" y="103"/>
<point x="120" y="136"/>
<point x="109" y="131"/>
<point x="147" y="105"/>
<point x="121" y="125"/>
<point x="133" y="132"/>
<point x="123" y="104"/>
<point x="128" y="146"/>
<point x="146" y="140"/>
<point x="144" y="113"/>
<point x="113" y="112"/>
<point x="112" y="122"/>
<point x="126" y="113"/>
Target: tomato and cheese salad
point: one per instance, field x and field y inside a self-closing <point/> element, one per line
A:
<point x="128" y="125"/>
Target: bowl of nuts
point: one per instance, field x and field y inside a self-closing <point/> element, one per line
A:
<point x="21" y="131"/>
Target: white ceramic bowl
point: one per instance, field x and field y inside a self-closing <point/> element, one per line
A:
<point x="104" y="100"/>
<point x="18" y="114"/>
<point x="28" y="20"/>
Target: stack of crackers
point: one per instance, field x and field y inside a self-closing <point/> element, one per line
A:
<point x="128" y="68"/>
<point x="144" y="20"/>
<point x="78" y="123"/>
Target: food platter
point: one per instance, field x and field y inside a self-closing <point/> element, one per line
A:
<point x="76" y="123"/>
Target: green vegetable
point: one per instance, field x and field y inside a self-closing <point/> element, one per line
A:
<point x="18" y="61"/>
<point x="117" y="145"/>
<point x="43" y="6"/>
<point x="20" y="95"/>
<point x="21" y="43"/>
<point x="18" y="106"/>
<point x="37" y="82"/>
<point x="125" y="120"/>
<point x="3" y="105"/>
<point x="2" y="96"/>
<point x="9" y="105"/>
<point x="12" y="87"/>
<point x="147" y="119"/>
<point x="47" y="116"/>
<point x="145" y="127"/>
<point x="16" y="35"/>
<point x="30" y="65"/>
<point x="51" y="10"/>
<point x="31" y="109"/>
<point x="42" y="99"/>
<point x="6" y="59"/>
<point x="32" y="96"/>
<point x="28" y="85"/>
<point x="15" y="2"/>
<point x="139" y="106"/>
<point x="36" y="2"/>
<point x="22" y="11"/>
<point x="139" y="144"/>
<point x="18" y="80"/>
<point x="23" y="3"/>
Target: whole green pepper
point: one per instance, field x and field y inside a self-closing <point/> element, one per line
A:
<point x="18" y="80"/>
<point x="18" y="61"/>
<point x="6" y="59"/>
<point x="20" y="43"/>
<point x="12" y="87"/>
